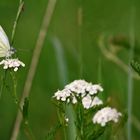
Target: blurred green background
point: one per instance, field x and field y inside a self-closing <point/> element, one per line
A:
<point x="71" y="51"/>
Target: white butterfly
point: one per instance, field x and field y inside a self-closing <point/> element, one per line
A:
<point x="5" y="49"/>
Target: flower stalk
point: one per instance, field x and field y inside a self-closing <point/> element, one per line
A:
<point x="14" y="87"/>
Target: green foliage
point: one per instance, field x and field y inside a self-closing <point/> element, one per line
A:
<point x="3" y="83"/>
<point x="85" y="128"/>
<point x="124" y="42"/>
<point x="25" y="109"/>
<point x="136" y="66"/>
<point x="96" y="132"/>
<point x="52" y="132"/>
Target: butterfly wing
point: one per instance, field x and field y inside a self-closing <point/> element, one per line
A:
<point x="4" y="43"/>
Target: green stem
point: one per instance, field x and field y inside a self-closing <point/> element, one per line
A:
<point x="16" y="101"/>
<point x="14" y="87"/>
<point x="28" y="131"/>
<point x="130" y="75"/>
<point x="80" y="121"/>
<point x="82" y="124"/>
<point x="61" y="116"/>
<point x="20" y="9"/>
<point x="64" y="130"/>
<point x="3" y="79"/>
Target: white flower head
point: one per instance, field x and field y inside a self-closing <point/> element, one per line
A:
<point x="62" y="95"/>
<point x="106" y="115"/>
<point x="77" y="86"/>
<point x="96" y="101"/>
<point x="88" y="102"/>
<point x="12" y="63"/>
<point x="74" y="100"/>
<point x="80" y="89"/>
<point x="94" y="89"/>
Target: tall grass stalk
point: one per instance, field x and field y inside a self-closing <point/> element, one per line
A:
<point x="130" y="75"/>
<point x="3" y="84"/>
<point x="99" y="70"/>
<point x="80" y="37"/>
<point x="20" y="8"/>
<point x="63" y="77"/>
<point x="34" y="62"/>
<point x="61" y="61"/>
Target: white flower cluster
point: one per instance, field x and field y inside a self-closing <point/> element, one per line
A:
<point x="88" y="102"/>
<point x="106" y="115"/>
<point x="80" y="89"/>
<point x="86" y="93"/>
<point x="12" y="63"/>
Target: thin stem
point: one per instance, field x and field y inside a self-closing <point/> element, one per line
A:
<point x="28" y="131"/>
<point x="32" y="70"/>
<point x="115" y="59"/>
<point x="130" y="75"/>
<point x="20" y="9"/>
<point x="3" y="82"/>
<point x="80" y="37"/>
<point x="14" y="87"/>
<point x="136" y="122"/>
<point x="61" y="117"/>
<point x="80" y="122"/>
<point x="16" y="101"/>
<point x="65" y="134"/>
<point x="71" y="126"/>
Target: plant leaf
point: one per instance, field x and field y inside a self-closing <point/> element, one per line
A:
<point x="136" y="66"/>
<point x="25" y="109"/>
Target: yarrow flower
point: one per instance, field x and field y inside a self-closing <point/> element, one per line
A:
<point x="106" y="115"/>
<point x="82" y="90"/>
<point x="86" y="94"/>
<point x="81" y="87"/>
<point x="12" y="63"/>
<point x="62" y="94"/>
<point x="88" y="102"/>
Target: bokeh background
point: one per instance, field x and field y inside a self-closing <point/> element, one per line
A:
<point x="71" y="51"/>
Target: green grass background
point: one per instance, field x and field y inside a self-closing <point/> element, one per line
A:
<point x="81" y="57"/>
